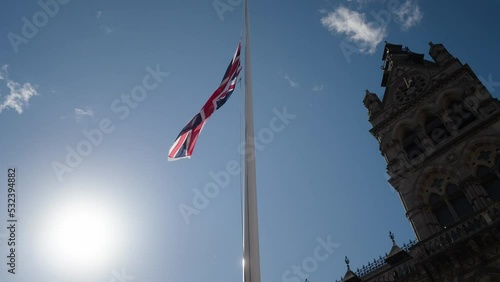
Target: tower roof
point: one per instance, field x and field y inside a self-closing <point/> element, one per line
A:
<point x="396" y="255"/>
<point x="391" y="48"/>
<point x="350" y="276"/>
<point x="398" y="54"/>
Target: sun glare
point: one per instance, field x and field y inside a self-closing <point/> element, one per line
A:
<point x="81" y="235"/>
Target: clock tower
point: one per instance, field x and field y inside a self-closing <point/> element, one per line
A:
<point x="439" y="131"/>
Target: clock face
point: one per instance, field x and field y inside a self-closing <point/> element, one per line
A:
<point x="409" y="87"/>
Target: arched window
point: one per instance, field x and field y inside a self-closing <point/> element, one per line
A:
<point x="435" y="129"/>
<point x="451" y="206"/>
<point x="458" y="201"/>
<point x="441" y="210"/>
<point x="460" y="115"/>
<point x="411" y="144"/>
<point x="489" y="180"/>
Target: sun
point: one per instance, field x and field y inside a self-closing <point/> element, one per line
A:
<point x="81" y="234"/>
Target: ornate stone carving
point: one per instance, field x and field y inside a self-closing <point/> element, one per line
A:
<point x="372" y="102"/>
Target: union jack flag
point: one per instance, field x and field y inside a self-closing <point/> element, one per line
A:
<point x="183" y="146"/>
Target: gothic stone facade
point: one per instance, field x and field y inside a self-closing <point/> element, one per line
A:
<point x="439" y="131"/>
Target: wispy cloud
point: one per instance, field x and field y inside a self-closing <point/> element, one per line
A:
<point x="355" y="26"/>
<point x="106" y="29"/>
<point x="408" y="14"/>
<point x="318" y="87"/>
<point x="3" y="72"/>
<point x="80" y="114"/>
<point x="19" y="94"/>
<point x="292" y="83"/>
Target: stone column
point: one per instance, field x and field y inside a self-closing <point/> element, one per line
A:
<point x="448" y="123"/>
<point x="422" y="222"/>
<point x="425" y="140"/>
<point x="475" y="193"/>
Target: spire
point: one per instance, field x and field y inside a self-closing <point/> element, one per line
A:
<point x="439" y="54"/>
<point x="396" y="255"/>
<point x="350" y="276"/>
<point x="372" y="102"/>
<point x="391" y="235"/>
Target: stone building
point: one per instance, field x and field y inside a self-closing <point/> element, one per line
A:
<point x="439" y="131"/>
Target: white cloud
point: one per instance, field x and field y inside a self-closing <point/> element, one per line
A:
<point x="408" y="14"/>
<point x="292" y="83"/>
<point x="19" y="94"/>
<point x="106" y="29"/>
<point x="318" y="87"/>
<point x="354" y="25"/>
<point x="82" y="113"/>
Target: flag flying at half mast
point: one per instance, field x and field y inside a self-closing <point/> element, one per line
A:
<point x="184" y="144"/>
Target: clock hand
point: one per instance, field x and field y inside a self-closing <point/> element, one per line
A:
<point x="407" y="82"/>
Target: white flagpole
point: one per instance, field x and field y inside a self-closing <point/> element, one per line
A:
<point x="251" y="257"/>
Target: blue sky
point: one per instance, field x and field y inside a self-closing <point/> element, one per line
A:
<point x="68" y="69"/>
